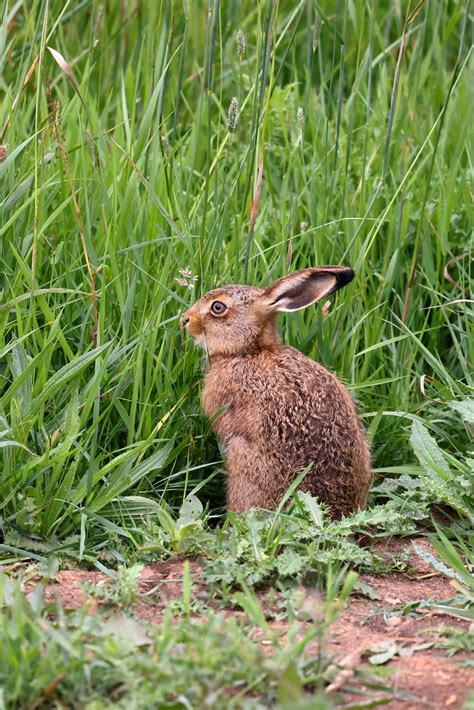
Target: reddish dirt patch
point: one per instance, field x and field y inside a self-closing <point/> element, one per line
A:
<point x="436" y="681"/>
<point x="160" y="584"/>
<point x="426" y="679"/>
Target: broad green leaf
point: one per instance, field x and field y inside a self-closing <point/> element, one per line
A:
<point x="190" y="511"/>
<point x="313" y="508"/>
<point x="465" y="409"/>
<point x="289" y="563"/>
<point x="290" y="685"/>
<point x="427" y="451"/>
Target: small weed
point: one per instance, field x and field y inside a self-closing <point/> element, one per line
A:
<point x="453" y="639"/>
<point x="121" y="589"/>
<point x="184" y="536"/>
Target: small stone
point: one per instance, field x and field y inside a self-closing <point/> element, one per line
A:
<point x="394" y="621"/>
<point x="451" y="700"/>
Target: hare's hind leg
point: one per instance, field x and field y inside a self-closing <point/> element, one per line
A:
<point x="362" y="472"/>
<point x="249" y="479"/>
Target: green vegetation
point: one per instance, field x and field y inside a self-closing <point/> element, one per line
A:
<point x="154" y="150"/>
<point x="99" y="659"/>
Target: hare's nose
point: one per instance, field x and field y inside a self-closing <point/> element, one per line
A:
<point x="184" y="320"/>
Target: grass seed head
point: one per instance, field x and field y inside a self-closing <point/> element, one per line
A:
<point x="318" y="23"/>
<point x="300" y="120"/>
<point x="233" y="115"/>
<point x="241" y="43"/>
<point x="165" y="144"/>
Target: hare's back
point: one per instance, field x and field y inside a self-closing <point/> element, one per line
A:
<point x="283" y="390"/>
<point x="309" y="399"/>
<point x="311" y="419"/>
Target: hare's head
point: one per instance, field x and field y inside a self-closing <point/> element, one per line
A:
<point x="236" y="320"/>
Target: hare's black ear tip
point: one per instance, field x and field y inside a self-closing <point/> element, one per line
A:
<point x="344" y="277"/>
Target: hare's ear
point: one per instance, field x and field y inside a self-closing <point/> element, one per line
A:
<point x="302" y="288"/>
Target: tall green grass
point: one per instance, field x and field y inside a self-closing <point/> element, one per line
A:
<point x="353" y="145"/>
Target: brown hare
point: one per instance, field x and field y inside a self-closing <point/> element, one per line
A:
<point x="276" y="410"/>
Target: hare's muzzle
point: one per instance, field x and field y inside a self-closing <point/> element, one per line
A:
<point x="192" y="324"/>
<point x="183" y="321"/>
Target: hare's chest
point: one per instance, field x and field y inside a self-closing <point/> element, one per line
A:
<point x="234" y="397"/>
<point x="217" y="396"/>
<point x="234" y="386"/>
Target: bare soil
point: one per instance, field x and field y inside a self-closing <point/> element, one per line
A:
<point x="428" y="678"/>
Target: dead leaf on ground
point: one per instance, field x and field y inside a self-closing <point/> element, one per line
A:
<point x="125" y="628"/>
<point x="346" y="668"/>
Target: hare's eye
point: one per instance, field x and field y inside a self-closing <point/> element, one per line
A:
<point x="218" y="308"/>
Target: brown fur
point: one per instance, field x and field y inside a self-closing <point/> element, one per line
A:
<point x="278" y="410"/>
